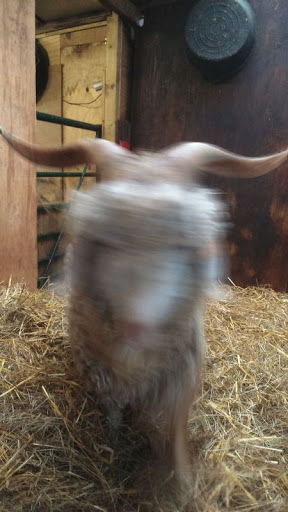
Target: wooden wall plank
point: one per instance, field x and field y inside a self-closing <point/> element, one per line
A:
<point x="125" y="56"/>
<point x="70" y="25"/>
<point x="112" y="91"/>
<point x="83" y="65"/>
<point x="77" y="61"/>
<point x="125" y="9"/>
<point x="18" y="255"/>
<point x="91" y="35"/>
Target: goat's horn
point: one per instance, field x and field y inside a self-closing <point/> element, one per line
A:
<point x="89" y="151"/>
<point x="208" y="158"/>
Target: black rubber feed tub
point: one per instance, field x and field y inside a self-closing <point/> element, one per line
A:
<point x="220" y="36"/>
<point x="42" y="70"/>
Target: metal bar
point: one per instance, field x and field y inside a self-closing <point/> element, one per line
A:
<point x="43" y="280"/>
<point x="60" y="206"/>
<point x="52" y="206"/>
<point x="47" y="236"/>
<point x="56" y="174"/>
<point x="53" y="254"/>
<point x="57" y="243"/>
<point x="84" y="172"/>
<point x="42" y="261"/>
<point x="64" y="121"/>
<point x="54" y="274"/>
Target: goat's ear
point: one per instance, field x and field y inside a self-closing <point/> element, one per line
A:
<point x="90" y="151"/>
<point x="197" y="156"/>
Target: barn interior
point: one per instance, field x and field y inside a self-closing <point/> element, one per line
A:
<point x="139" y="56"/>
<point x="121" y="70"/>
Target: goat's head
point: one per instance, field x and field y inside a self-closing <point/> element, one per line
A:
<point x="150" y="248"/>
<point x="148" y="238"/>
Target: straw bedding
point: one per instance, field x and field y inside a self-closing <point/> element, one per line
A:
<point x="57" y="454"/>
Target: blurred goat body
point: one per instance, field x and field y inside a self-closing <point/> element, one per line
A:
<point x="143" y="259"/>
<point x="147" y="248"/>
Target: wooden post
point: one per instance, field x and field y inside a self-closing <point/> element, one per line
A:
<point x="18" y="253"/>
<point x="125" y="9"/>
<point x="112" y="78"/>
<point x="117" y="86"/>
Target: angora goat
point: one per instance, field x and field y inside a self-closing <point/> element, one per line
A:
<point x="147" y="248"/>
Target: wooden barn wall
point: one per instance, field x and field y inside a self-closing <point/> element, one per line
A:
<point x="247" y="114"/>
<point x="77" y="61"/>
<point x="18" y="255"/>
<point x="80" y="57"/>
<point x="49" y="190"/>
<point x="83" y="56"/>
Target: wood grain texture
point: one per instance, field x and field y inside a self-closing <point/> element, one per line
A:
<point x="90" y="35"/>
<point x="83" y="64"/>
<point x="125" y="62"/>
<point x="18" y="253"/>
<point x="77" y="61"/>
<point x="112" y="92"/>
<point x="247" y="114"/>
<point x="74" y="23"/>
<point x="124" y="8"/>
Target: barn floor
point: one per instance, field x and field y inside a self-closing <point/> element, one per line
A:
<point x="55" y="450"/>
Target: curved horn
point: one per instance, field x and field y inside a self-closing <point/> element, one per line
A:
<point x="89" y="151"/>
<point x="208" y="158"/>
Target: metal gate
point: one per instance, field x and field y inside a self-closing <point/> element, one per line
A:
<point x="57" y="235"/>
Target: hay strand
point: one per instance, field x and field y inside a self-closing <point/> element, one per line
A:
<point x="56" y="452"/>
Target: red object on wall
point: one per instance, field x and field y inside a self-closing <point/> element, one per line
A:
<point x="124" y="144"/>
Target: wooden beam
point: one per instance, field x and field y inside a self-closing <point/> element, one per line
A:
<point x="67" y="25"/>
<point x="125" y="9"/>
<point x="147" y="4"/>
<point x="111" y="93"/>
<point x="18" y="234"/>
<point x="117" y="95"/>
